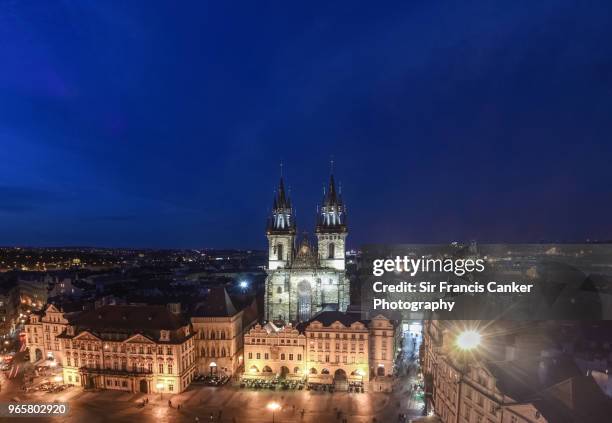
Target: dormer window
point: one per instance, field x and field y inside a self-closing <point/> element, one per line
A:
<point x="164" y="335"/>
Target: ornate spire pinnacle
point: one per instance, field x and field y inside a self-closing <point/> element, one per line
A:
<point x="332" y="214"/>
<point x="282" y="218"/>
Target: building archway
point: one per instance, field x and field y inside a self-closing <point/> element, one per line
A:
<point x="340" y="374"/>
<point x="340" y="380"/>
<point x="304" y="291"/>
<point x="38" y="355"/>
<point x="313" y="371"/>
<point x="324" y="372"/>
<point x="253" y="369"/>
<point x="296" y="370"/>
<point x="380" y="371"/>
<point x="144" y="386"/>
<point x="284" y="371"/>
<point x="267" y="369"/>
<point x="212" y="368"/>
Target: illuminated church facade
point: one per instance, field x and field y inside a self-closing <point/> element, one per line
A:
<point x="304" y="279"/>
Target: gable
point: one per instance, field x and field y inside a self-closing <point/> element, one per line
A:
<point x="138" y="339"/>
<point x="51" y="309"/>
<point x="86" y="336"/>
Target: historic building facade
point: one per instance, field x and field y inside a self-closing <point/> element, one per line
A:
<point x="508" y="379"/>
<point x="131" y="348"/>
<point x="219" y="329"/>
<point x="270" y="350"/>
<point x="41" y="331"/>
<point x="302" y="278"/>
<point x="332" y="348"/>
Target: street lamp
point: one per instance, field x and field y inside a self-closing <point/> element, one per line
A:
<point x="273" y="406"/>
<point x="160" y="388"/>
<point x="468" y="340"/>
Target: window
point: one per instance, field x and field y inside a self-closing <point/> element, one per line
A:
<point x="279" y="290"/>
<point x="171" y="388"/>
<point x="282" y="356"/>
<point x="279" y="251"/>
<point x="299" y="357"/>
<point x="258" y="356"/>
<point x="250" y="355"/>
<point x="169" y="368"/>
<point x="290" y="357"/>
<point x="265" y="356"/>
<point x="331" y="251"/>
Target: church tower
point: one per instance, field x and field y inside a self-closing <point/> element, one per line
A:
<point x="331" y="228"/>
<point x="281" y="230"/>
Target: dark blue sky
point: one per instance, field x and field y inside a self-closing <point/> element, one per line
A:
<point x="149" y="124"/>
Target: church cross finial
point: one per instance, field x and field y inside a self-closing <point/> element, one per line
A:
<point x="281" y="168"/>
<point x="331" y="165"/>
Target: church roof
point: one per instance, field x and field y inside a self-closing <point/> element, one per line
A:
<point x="282" y="218"/>
<point x="332" y="214"/>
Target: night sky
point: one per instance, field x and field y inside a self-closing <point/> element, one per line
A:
<point x="147" y="124"/>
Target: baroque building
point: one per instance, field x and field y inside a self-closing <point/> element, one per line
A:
<point x="304" y="279"/>
<point x="333" y="348"/>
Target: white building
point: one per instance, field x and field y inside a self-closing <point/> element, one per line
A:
<point x="303" y="279"/>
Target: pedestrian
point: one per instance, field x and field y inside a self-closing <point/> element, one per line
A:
<point x="169" y="403"/>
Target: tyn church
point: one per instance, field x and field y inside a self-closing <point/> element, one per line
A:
<point x="303" y="279"/>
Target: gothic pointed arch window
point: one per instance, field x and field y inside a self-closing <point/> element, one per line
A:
<point x="212" y="352"/>
<point x="279" y="252"/>
<point x="212" y="334"/>
<point x="223" y="334"/>
<point x="331" y="251"/>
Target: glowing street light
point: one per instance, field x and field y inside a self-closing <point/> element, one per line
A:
<point x="273" y="406"/>
<point x="468" y="340"/>
<point x="244" y="284"/>
<point x="58" y="379"/>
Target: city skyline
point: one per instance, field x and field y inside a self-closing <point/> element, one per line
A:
<point x="164" y="127"/>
